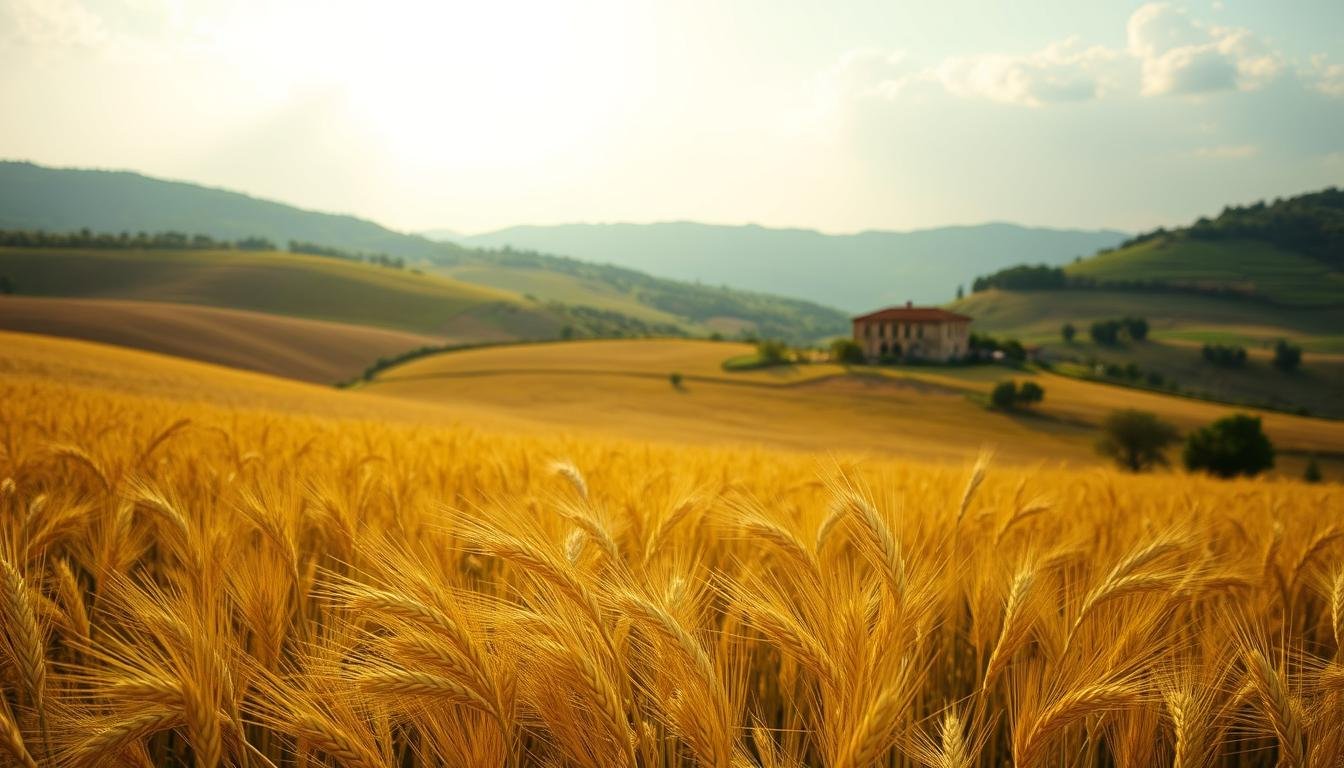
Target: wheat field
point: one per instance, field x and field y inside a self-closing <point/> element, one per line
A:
<point x="198" y="584"/>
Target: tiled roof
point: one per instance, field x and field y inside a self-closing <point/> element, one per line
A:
<point x="915" y="314"/>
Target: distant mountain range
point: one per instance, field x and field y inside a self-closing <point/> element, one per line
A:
<point x="34" y="197"/>
<point x="66" y="199"/>
<point x="853" y="272"/>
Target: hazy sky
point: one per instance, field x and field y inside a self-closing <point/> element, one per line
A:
<point x="836" y="114"/>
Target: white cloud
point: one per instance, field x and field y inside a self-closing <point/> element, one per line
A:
<point x="1326" y="77"/>
<point x="1227" y="152"/>
<point x="1061" y="72"/>
<point x="1179" y="55"/>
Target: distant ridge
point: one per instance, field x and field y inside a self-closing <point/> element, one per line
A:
<point x="855" y="272"/>
<point x="64" y="199"/>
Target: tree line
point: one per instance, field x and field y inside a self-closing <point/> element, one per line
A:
<point x="179" y="241"/>
<point x="1042" y="277"/>
<point x="168" y="240"/>
<point x="1311" y="224"/>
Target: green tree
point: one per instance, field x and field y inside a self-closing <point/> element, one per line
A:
<point x="1068" y="332"/>
<point x="1136" y="440"/>
<point x="1013" y="350"/>
<point x="1234" y="445"/>
<point x="847" y="352"/>
<point x="675" y="379"/>
<point x="1313" y="471"/>
<point x="1136" y="327"/>
<point x="1286" y="356"/>
<point x="1004" y="395"/>
<point x="772" y="352"/>
<point x="1030" y="393"/>
<point x="961" y="291"/>
<point x="1106" y="332"/>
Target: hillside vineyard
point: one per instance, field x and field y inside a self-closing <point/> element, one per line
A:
<point x="185" y="584"/>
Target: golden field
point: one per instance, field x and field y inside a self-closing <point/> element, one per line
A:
<point x="204" y="567"/>
<point x="319" y="351"/>
<point x="621" y="388"/>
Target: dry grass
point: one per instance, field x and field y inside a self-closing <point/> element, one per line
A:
<point x="188" y="584"/>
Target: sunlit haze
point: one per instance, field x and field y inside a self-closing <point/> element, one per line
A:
<point x="890" y="115"/>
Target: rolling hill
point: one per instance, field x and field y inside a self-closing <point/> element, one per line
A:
<point x="309" y="350"/>
<point x="622" y="387"/>
<point x="854" y="272"/>
<point x="33" y="197"/>
<point x="1250" y="277"/>
<point x="296" y="285"/>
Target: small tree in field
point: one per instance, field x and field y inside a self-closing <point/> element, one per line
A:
<point x="1235" y="445"/>
<point x="1136" y="440"/>
<point x="1030" y="393"/>
<point x="1007" y="395"/>
<point x="847" y="352"/>
<point x="1003" y="396"/>
<point x="1068" y="332"/>
<point x="1313" y="471"/>
<point x="1286" y="356"/>
<point x="771" y="352"/>
<point x="1136" y="327"/>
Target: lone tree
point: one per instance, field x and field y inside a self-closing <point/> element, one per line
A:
<point x="1313" y="471"/>
<point x="1231" y="446"/>
<point x="1136" y="440"/>
<point x="1003" y="396"/>
<point x="1030" y="393"/>
<point x="1008" y="395"/>
<point x="1068" y="332"/>
<point x="1286" y="356"/>
<point x="847" y="352"/>
<point x="1106" y="332"/>
<point x="1136" y="327"/>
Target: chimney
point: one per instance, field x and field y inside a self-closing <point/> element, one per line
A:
<point x="909" y="304"/>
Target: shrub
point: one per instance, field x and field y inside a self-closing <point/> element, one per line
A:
<point x="1235" y="445"/>
<point x="1286" y="356"/>
<point x="1105" y="332"/>
<point x="1068" y="332"/>
<point x="772" y="352"/>
<point x="1008" y="395"/>
<point x="675" y="379"/>
<point x="1030" y="393"/>
<point x="1136" y="327"/>
<point x="1135" y="439"/>
<point x="1004" y="395"/>
<point x="847" y="352"/>
<point x="1013" y="350"/>
<point x="1225" y="356"/>
<point x="1313" y="471"/>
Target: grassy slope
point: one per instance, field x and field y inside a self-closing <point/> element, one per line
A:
<point x="558" y="286"/>
<point x="1180" y="324"/>
<point x="622" y="387"/>
<point x="298" y="348"/>
<point x="1284" y="277"/>
<point x="282" y="283"/>
<point x="1036" y="316"/>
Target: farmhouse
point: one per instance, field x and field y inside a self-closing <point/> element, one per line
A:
<point x="912" y="333"/>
